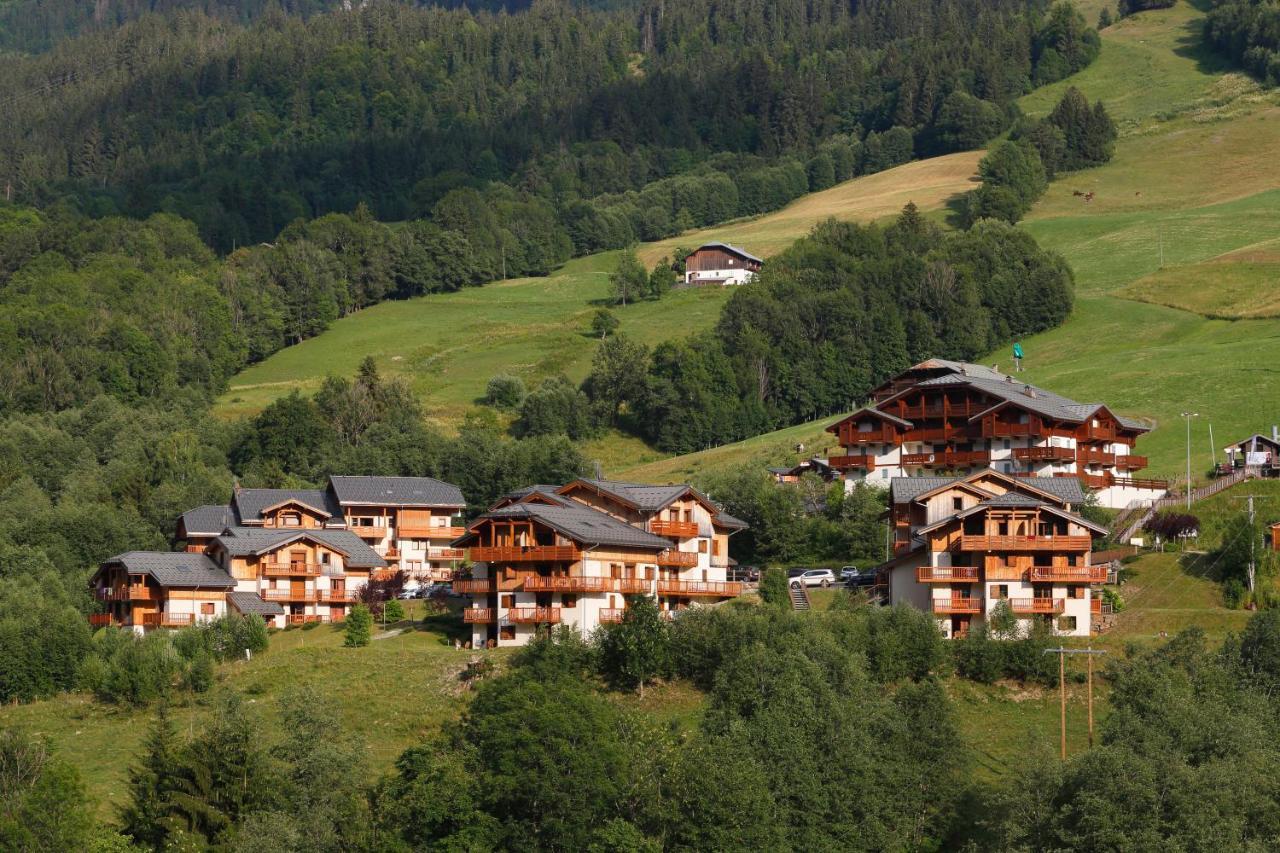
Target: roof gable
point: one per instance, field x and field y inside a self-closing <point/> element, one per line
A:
<point x="396" y="491"/>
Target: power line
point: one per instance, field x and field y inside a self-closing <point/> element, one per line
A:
<point x="1062" y="653"/>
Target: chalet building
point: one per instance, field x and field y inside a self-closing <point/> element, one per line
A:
<point x="408" y="521"/>
<point x="1258" y="451"/>
<point x="570" y="555"/>
<point x="288" y="555"/>
<point x="720" y="264"/>
<point x="963" y="545"/>
<point x="816" y="466"/>
<point x="952" y="417"/>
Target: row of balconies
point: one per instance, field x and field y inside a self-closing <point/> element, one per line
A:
<point x="542" y="615"/>
<point x="1025" y="543"/>
<point x="579" y="584"/>
<point x="311" y="596"/>
<point x="1021" y="606"/>
<point x="407" y="531"/>
<point x="565" y="554"/>
<point x="1035" y="574"/>
<point x="679" y="529"/>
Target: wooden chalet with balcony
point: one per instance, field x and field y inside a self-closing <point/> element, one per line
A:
<point x="720" y="264"/>
<point x="944" y="417"/>
<point x="572" y="554"/>
<point x="964" y="545"/>
<point x="149" y="589"/>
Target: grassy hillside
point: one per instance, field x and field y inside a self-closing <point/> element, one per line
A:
<point x="1183" y="231"/>
<point x="448" y="345"/>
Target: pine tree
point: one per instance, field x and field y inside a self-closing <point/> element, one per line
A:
<point x="151" y="783"/>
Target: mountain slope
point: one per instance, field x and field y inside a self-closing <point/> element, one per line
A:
<point x="449" y="345"/>
<point x="1192" y="180"/>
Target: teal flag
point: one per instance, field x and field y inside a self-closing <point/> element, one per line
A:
<point x="1017" y="350"/>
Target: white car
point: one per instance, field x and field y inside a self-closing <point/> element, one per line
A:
<point x="814" y="577"/>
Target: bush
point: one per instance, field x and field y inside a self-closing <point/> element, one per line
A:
<point x="359" y="630"/>
<point x="393" y="610"/>
<point x="505" y="392"/>
<point x="773" y="587"/>
<point x="604" y="323"/>
<point x="199" y="674"/>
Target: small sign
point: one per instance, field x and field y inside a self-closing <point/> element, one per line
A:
<point x="1017" y="350"/>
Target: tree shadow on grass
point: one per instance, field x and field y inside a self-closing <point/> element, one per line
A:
<point x="1192" y="45"/>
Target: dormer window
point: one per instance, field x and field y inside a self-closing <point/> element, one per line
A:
<point x="290" y="519"/>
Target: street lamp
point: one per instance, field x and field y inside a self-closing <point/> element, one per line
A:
<point x="1188" y="416"/>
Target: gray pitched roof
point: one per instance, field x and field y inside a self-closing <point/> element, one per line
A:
<point x="244" y="541"/>
<point x="905" y="489"/>
<point x="208" y="520"/>
<point x="723" y="519"/>
<point x="1041" y="401"/>
<point x="1066" y="488"/>
<point x="250" y="603"/>
<point x="174" y="568"/>
<point x="729" y="247"/>
<point x="644" y="497"/>
<point x="1012" y="499"/>
<point x="542" y="490"/>
<point x="582" y="524"/>
<point x="250" y="503"/>
<point x="396" y="491"/>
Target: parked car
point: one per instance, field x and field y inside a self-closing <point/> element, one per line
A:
<point x="854" y="577"/>
<point x="750" y="574"/>
<point x="813" y="577"/>
<point x="406" y="594"/>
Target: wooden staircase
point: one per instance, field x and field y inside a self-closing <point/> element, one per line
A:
<point x="799" y="598"/>
<point x="1132" y="517"/>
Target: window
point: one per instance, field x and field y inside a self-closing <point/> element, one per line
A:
<point x="508" y="600"/>
<point x="957" y="503"/>
<point x="324" y="558"/>
<point x="1000" y="591"/>
<point x="702" y="546"/>
<point x="1076" y="591"/>
<point x="507" y="632"/>
<point x="569" y="601"/>
<point x="1066" y="623"/>
<point x="207" y="608"/>
<point x="290" y="519"/>
<point x="1006" y="444"/>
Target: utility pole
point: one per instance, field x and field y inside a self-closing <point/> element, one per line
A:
<point x="1253" y="541"/>
<point x="1062" y="653"/>
<point x="1188" y="416"/>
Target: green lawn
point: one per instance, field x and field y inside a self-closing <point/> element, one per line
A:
<point x="391" y="694"/>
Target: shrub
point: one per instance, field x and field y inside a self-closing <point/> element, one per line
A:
<point x="393" y="610"/>
<point x="773" y="587"/>
<point x="198" y="677"/>
<point x="359" y="630"/>
<point x="505" y="392"/>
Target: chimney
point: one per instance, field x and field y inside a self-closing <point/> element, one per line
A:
<point x="1028" y="390"/>
<point x="1009" y="379"/>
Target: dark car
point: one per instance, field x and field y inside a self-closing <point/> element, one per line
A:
<point x="854" y="577"/>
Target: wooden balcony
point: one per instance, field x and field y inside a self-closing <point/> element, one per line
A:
<point x="308" y="596"/>
<point x="474" y="586"/>
<point x="716" y="589"/>
<point x="533" y="615"/>
<point x="1069" y="574"/>
<point x="526" y="554"/>
<point x="933" y="434"/>
<point x="947" y="574"/>
<point x="446" y="554"/>
<point x="1131" y="462"/>
<point x="417" y="531"/>
<point x="1095" y="606"/>
<point x="1140" y="482"/>
<point x="1044" y="454"/>
<point x="101" y="620"/>
<point x="273" y="570"/>
<point x="611" y="614"/>
<point x="134" y="592"/>
<point x="957" y="604"/>
<point x="845" y="461"/>
<point x="1089" y="456"/>
<point x="1000" y="429"/>
<point x="168" y="620"/>
<point x="337" y="596"/>
<point x="681" y="529"/>
<point x="1103" y="432"/>
<point x="947" y="458"/>
<point x="672" y="557"/>
<point x="569" y="583"/>
<point x="633" y="586"/>
<point x="477" y="614"/>
<point x="1025" y="543"/>
<point x="1051" y="606"/>
<point x="304" y="618"/>
<point x="369" y="531"/>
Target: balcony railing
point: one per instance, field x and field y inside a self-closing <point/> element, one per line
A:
<point x="337" y="596"/>
<point x="1104" y="432"/>
<point x="369" y="531"/>
<point x="1131" y="462"/>
<point x="167" y="620"/>
<point x="672" y="557"/>
<point x="1095" y="606"/>
<point x="1000" y="429"/>
<point x="611" y="614"/>
<point x="633" y="586"/>
<point x="423" y="531"/>
<point x="1044" y="454"/>
<point x="533" y="615"/>
<point x="1088" y="456"/>
<point x="134" y="592"/>
<point x="304" y="618"/>
<point x="957" y="604"/>
<point x="446" y="554"/>
<point x="473" y="586"/>
<point x="845" y="461"/>
<point x="947" y="574"/>
<point x="947" y="458"/>
<point x="101" y="620"/>
<point x="1069" y="574"/>
<point x="526" y="553"/>
<point x="291" y="569"/>
<point x="1037" y="605"/>
<point x="568" y="584"/>
<point x="682" y="529"/>
<point x="718" y="589"/>
<point x="1025" y="543"/>
<point x="477" y="614"/>
<point x="303" y="595"/>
